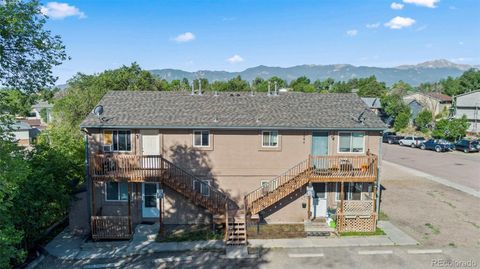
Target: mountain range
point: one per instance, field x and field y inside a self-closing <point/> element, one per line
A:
<point x="430" y="71"/>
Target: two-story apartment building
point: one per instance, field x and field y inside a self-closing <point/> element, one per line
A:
<point x="183" y="158"/>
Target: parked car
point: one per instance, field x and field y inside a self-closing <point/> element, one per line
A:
<point x="391" y="137"/>
<point x="439" y="145"/>
<point x="467" y="146"/>
<point x="411" y="141"/>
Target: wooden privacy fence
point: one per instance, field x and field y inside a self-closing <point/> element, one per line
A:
<point x="111" y="227"/>
<point x="357" y="216"/>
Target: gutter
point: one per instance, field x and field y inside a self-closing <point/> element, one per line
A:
<point x="229" y="128"/>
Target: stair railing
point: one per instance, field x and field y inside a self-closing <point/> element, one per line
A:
<point x="276" y="183"/>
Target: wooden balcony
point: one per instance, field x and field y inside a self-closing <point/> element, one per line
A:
<point x="343" y="168"/>
<point x="120" y="167"/>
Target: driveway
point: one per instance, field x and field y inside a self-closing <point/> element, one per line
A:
<point x="458" y="167"/>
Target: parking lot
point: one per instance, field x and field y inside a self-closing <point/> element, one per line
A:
<point x="458" y="167"/>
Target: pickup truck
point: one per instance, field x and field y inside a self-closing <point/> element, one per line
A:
<point x="411" y="141"/>
<point x="391" y="138"/>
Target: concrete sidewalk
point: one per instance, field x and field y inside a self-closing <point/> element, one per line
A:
<point x="68" y="247"/>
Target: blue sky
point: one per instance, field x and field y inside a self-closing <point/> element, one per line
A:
<point x="234" y="35"/>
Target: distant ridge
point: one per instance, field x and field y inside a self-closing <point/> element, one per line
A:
<point x="429" y="71"/>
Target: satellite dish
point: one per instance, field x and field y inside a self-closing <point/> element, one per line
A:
<point x="98" y="110"/>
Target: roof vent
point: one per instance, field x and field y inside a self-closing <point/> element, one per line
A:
<point x="215" y="94"/>
<point x="193" y="88"/>
<point x="269" y="91"/>
<point x="199" y="87"/>
<point x="276" y="88"/>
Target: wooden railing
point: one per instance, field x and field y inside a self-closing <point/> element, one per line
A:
<point x="119" y="167"/>
<point x="275" y="183"/>
<point x="314" y="169"/>
<point x="194" y="188"/>
<point x="347" y="168"/>
<point x="111" y="227"/>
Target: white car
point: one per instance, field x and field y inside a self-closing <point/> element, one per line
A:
<point x="411" y="141"/>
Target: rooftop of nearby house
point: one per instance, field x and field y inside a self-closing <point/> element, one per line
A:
<point x="372" y="102"/>
<point x="290" y="110"/>
<point x="18" y="126"/>
<point x="439" y="96"/>
<point x="42" y="104"/>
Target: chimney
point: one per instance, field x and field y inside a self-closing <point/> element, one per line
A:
<point x="199" y="87"/>
<point x="276" y="88"/>
<point x="269" y="92"/>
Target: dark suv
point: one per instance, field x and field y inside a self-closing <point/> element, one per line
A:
<point x="467" y="146"/>
<point x="391" y="138"/>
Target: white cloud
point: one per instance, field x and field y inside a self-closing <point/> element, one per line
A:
<point x="423" y="3"/>
<point x="235" y="59"/>
<point x="352" y="32"/>
<point x="185" y="37"/>
<point x="399" y="22"/>
<point x="58" y="11"/>
<point x="373" y="25"/>
<point x="396" y="6"/>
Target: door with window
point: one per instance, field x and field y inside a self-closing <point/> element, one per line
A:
<point x="319" y="148"/>
<point x="318" y="207"/>
<point x="150" y="201"/>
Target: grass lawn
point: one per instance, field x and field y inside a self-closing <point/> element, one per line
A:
<point x="276" y="231"/>
<point x="377" y="232"/>
<point x="191" y="233"/>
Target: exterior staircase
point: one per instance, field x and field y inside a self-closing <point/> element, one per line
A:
<point x="318" y="228"/>
<point x="236" y="229"/>
<point x="278" y="188"/>
<point x="192" y="187"/>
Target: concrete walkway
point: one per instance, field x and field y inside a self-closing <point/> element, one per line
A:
<point x="68" y="247"/>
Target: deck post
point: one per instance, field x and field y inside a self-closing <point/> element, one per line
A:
<point x="129" y="207"/>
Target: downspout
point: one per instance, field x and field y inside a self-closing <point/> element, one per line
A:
<point x="378" y="194"/>
<point x="87" y="177"/>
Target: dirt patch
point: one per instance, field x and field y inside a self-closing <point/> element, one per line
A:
<point x="180" y="233"/>
<point x="276" y="231"/>
<point x="432" y="213"/>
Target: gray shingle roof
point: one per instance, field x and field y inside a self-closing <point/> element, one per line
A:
<point x="291" y="110"/>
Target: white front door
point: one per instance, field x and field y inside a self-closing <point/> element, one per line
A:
<point x="318" y="207"/>
<point x="150" y="202"/>
<point x="150" y="146"/>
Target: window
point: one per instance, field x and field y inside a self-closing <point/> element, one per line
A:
<point x="202" y="187"/>
<point x="116" y="191"/>
<point x="201" y="138"/>
<point x="270" y="139"/>
<point x="117" y="141"/>
<point x="353" y="191"/>
<point x="351" y="142"/>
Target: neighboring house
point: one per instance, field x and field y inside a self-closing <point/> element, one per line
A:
<point x="433" y="101"/>
<point x="415" y="108"/>
<point x="37" y="112"/>
<point x="468" y="104"/>
<point x="21" y="132"/>
<point x="179" y="158"/>
<point x="374" y="104"/>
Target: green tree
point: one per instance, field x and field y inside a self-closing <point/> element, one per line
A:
<point x="451" y="129"/>
<point x="393" y="105"/>
<point x="302" y="84"/>
<point x="401" y="88"/>
<point x="370" y="87"/>
<point x="27" y="51"/>
<point x="423" y="120"/>
<point x="16" y="102"/>
<point x="341" y="87"/>
<point x="237" y="84"/>
<point x="324" y="86"/>
<point x="469" y="81"/>
<point x="451" y="86"/>
<point x="401" y="121"/>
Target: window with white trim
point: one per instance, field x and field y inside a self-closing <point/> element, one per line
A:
<point x="116" y="191"/>
<point x="201" y="138"/>
<point x="202" y="187"/>
<point x="117" y="140"/>
<point x="351" y="142"/>
<point x="269" y="139"/>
